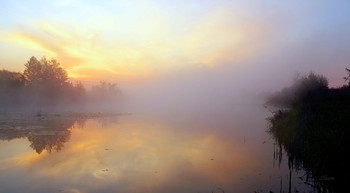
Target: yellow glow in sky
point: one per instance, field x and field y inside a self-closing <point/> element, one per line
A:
<point x="134" y="41"/>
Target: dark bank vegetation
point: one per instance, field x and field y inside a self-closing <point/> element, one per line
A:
<point x="44" y="85"/>
<point x="312" y="126"/>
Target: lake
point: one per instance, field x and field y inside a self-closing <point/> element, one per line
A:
<point x="223" y="151"/>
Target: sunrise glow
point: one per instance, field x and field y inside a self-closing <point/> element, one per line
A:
<point x="131" y="40"/>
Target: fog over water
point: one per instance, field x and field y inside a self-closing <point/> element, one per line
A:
<point x="166" y="151"/>
<point x="187" y="111"/>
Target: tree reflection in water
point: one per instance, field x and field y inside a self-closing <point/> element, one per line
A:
<point x="52" y="138"/>
<point x="314" y="136"/>
<point x="48" y="134"/>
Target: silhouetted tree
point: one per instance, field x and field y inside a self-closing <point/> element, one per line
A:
<point x="47" y="81"/>
<point x="11" y="86"/>
<point x="347" y="78"/>
<point x="11" y="79"/>
<point x="44" y="85"/>
<point x="79" y="91"/>
<point x="105" y="92"/>
<point x="298" y="90"/>
<point x="45" y="71"/>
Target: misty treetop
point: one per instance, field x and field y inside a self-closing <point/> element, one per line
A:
<point x="45" y="72"/>
<point x="44" y="84"/>
<point x="10" y="80"/>
<point x="302" y="86"/>
<point x="347" y="78"/>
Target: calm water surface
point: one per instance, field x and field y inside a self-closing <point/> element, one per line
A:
<point x="168" y="153"/>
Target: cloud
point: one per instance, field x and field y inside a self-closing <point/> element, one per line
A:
<point x="127" y="40"/>
<point x="25" y="40"/>
<point x="141" y="41"/>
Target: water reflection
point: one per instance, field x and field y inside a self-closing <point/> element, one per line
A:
<point x="314" y="143"/>
<point x="43" y="134"/>
<point x="143" y="154"/>
<point x="47" y="132"/>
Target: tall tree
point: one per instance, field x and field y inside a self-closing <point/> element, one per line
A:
<point x="347" y="78"/>
<point x="11" y="80"/>
<point x="45" y="71"/>
<point x="46" y="80"/>
<point x="11" y="87"/>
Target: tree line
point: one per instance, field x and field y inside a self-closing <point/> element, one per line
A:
<point x="44" y="84"/>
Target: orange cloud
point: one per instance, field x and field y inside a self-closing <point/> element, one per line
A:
<point x="27" y="41"/>
<point x="126" y="48"/>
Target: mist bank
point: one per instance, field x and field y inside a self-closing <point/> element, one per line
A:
<point x="205" y="90"/>
<point x="44" y="86"/>
<point x="200" y="90"/>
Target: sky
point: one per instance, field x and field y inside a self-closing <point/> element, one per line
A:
<point x="138" y="40"/>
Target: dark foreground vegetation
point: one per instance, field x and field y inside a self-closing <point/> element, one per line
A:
<point x="45" y="86"/>
<point x="312" y="126"/>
